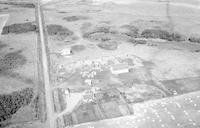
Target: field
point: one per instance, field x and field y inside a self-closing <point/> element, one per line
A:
<point x="165" y="45"/>
<point x="111" y="63"/>
<point x="181" y="111"/>
<point x="19" y="82"/>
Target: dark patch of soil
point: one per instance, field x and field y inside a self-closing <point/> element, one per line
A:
<point x="141" y="41"/>
<point x="60" y="32"/>
<point x="2" y="45"/>
<point x="12" y="60"/>
<point x="62" y="12"/>
<point x="3" y="9"/>
<point x="17" y="76"/>
<point x="162" y="34"/>
<point x="20" y="4"/>
<point x="197" y="50"/>
<point x="194" y="39"/>
<point x="77" y="48"/>
<point x="105" y="22"/>
<point x="70" y="40"/>
<point x="75" y="18"/>
<point x="108" y="45"/>
<point x="20" y="28"/>
<point x="11" y="103"/>
<point x="85" y="26"/>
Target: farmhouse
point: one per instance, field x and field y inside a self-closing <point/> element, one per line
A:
<point x="66" y="52"/>
<point x="119" y="69"/>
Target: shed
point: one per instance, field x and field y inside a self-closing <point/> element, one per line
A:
<point x="119" y="69"/>
<point x="66" y="52"/>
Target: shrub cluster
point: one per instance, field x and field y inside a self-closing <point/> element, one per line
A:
<point x="20" y="4"/>
<point x="162" y="34"/>
<point x="75" y="18"/>
<point x="19" y="28"/>
<point x="11" y="103"/>
<point x="58" y="31"/>
<point x="12" y="60"/>
<point x="194" y="39"/>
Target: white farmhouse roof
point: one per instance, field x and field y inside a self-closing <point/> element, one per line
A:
<point x="65" y="52"/>
<point x="120" y="68"/>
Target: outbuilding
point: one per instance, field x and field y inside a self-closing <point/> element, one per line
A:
<point x="66" y="52"/>
<point x="119" y="69"/>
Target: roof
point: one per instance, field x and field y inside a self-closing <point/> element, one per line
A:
<point x="65" y="51"/>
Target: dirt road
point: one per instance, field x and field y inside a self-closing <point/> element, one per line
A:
<point x="44" y="56"/>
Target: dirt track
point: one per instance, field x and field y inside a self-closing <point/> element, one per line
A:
<point x="45" y="66"/>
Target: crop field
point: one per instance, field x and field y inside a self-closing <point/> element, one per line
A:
<point x="181" y="111"/>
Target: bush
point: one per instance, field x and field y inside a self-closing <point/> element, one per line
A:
<point x="162" y="34"/>
<point x="58" y="31"/>
<point x="11" y="103"/>
<point x="155" y="33"/>
<point x="194" y="39"/>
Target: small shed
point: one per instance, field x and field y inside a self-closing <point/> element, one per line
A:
<point x="66" y="52"/>
<point x="119" y="69"/>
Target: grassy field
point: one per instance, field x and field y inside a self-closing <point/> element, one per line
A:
<point x="160" y="35"/>
<point x="18" y="65"/>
